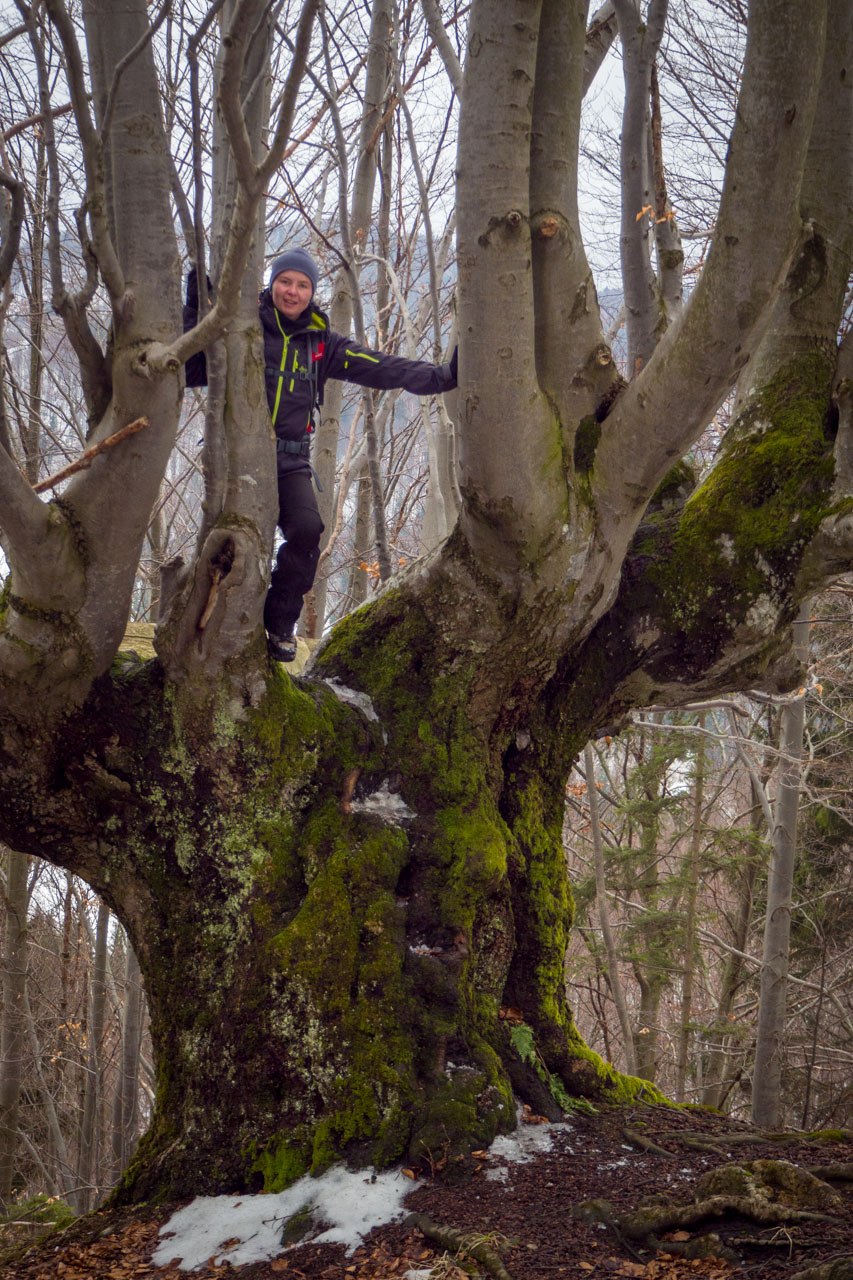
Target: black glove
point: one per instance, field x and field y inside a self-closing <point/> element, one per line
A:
<point x="454" y="365"/>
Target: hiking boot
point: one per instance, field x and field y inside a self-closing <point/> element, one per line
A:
<point x="281" y="648"/>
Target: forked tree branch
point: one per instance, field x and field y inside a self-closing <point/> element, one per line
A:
<point x="748" y="258"/>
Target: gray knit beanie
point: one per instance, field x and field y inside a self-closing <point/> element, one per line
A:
<point x="295" y="260"/>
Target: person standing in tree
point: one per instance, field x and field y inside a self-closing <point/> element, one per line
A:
<point x="300" y="353"/>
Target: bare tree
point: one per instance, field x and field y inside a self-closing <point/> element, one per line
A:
<point x="355" y="898"/>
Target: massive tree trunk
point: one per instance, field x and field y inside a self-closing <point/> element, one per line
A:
<point x="331" y="898"/>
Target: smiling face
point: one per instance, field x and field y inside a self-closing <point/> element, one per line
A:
<point x="291" y="293"/>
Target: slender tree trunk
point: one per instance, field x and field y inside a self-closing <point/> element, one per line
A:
<point x="127" y="1092"/>
<point x="57" y="1146"/>
<point x="358" y="581"/>
<point x="616" y="988"/>
<point x="690" y="924"/>
<point x="769" y="1049"/>
<point x="87" y="1176"/>
<point x="716" y="1085"/>
<point x="13" y="1034"/>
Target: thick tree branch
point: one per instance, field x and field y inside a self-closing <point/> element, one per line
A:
<point x="640" y="42"/>
<point x="122" y="66"/>
<point x="12" y="34"/>
<point x="23" y="517"/>
<point x="441" y="40"/>
<point x="676" y="394"/>
<point x="515" y="498"/>
<point x="564" y="292"/>
<point x="601" y="33"/>
<point x="235" y="42"/>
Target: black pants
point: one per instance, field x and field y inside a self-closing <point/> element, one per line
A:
<point x="296" y="562"/>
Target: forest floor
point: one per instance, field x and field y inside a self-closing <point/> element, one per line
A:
<point x="528" y="1216"/>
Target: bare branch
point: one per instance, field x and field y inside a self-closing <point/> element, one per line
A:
<point x="38" y="118"/>
<point x="288" y="100"/>
<point x="196" y="243"/>
<point x="90" y="141"/>
<point x="235" y="43"/>
<point x="11" y="226"/>
<point x="12" y="34"/>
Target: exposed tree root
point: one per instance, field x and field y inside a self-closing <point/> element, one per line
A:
<point x="689" y="1138"/>
<point x="765" y="1191"/>
<point x="459" y="1242"/>
<point x="840" y="1269"/>
<point x="828" y="1172"/>
<point x="640" y="1140"/>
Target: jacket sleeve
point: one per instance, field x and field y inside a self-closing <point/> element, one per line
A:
<point x="349" y="361"/>
<point x="195" y="368"/>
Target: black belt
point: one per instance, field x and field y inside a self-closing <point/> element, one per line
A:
<point x="302" y="447"/>
<point x="301" y="375"/>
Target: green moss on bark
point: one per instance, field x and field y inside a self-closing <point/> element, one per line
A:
<point x="740" y="537"/>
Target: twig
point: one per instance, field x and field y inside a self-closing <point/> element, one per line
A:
<point x="85" y="459"/>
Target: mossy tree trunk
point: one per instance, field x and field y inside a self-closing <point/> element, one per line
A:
<point x="330" y="909"/>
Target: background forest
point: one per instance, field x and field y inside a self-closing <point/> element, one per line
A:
<point x="671" y="821"/>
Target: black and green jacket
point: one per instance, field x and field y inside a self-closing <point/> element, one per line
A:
<point x="301" y="355"/>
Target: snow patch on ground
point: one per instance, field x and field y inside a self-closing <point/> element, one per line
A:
<point x="521" y="1146"/>
<point x="346" y="1206"/>
<point x="349" y="1204"/>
